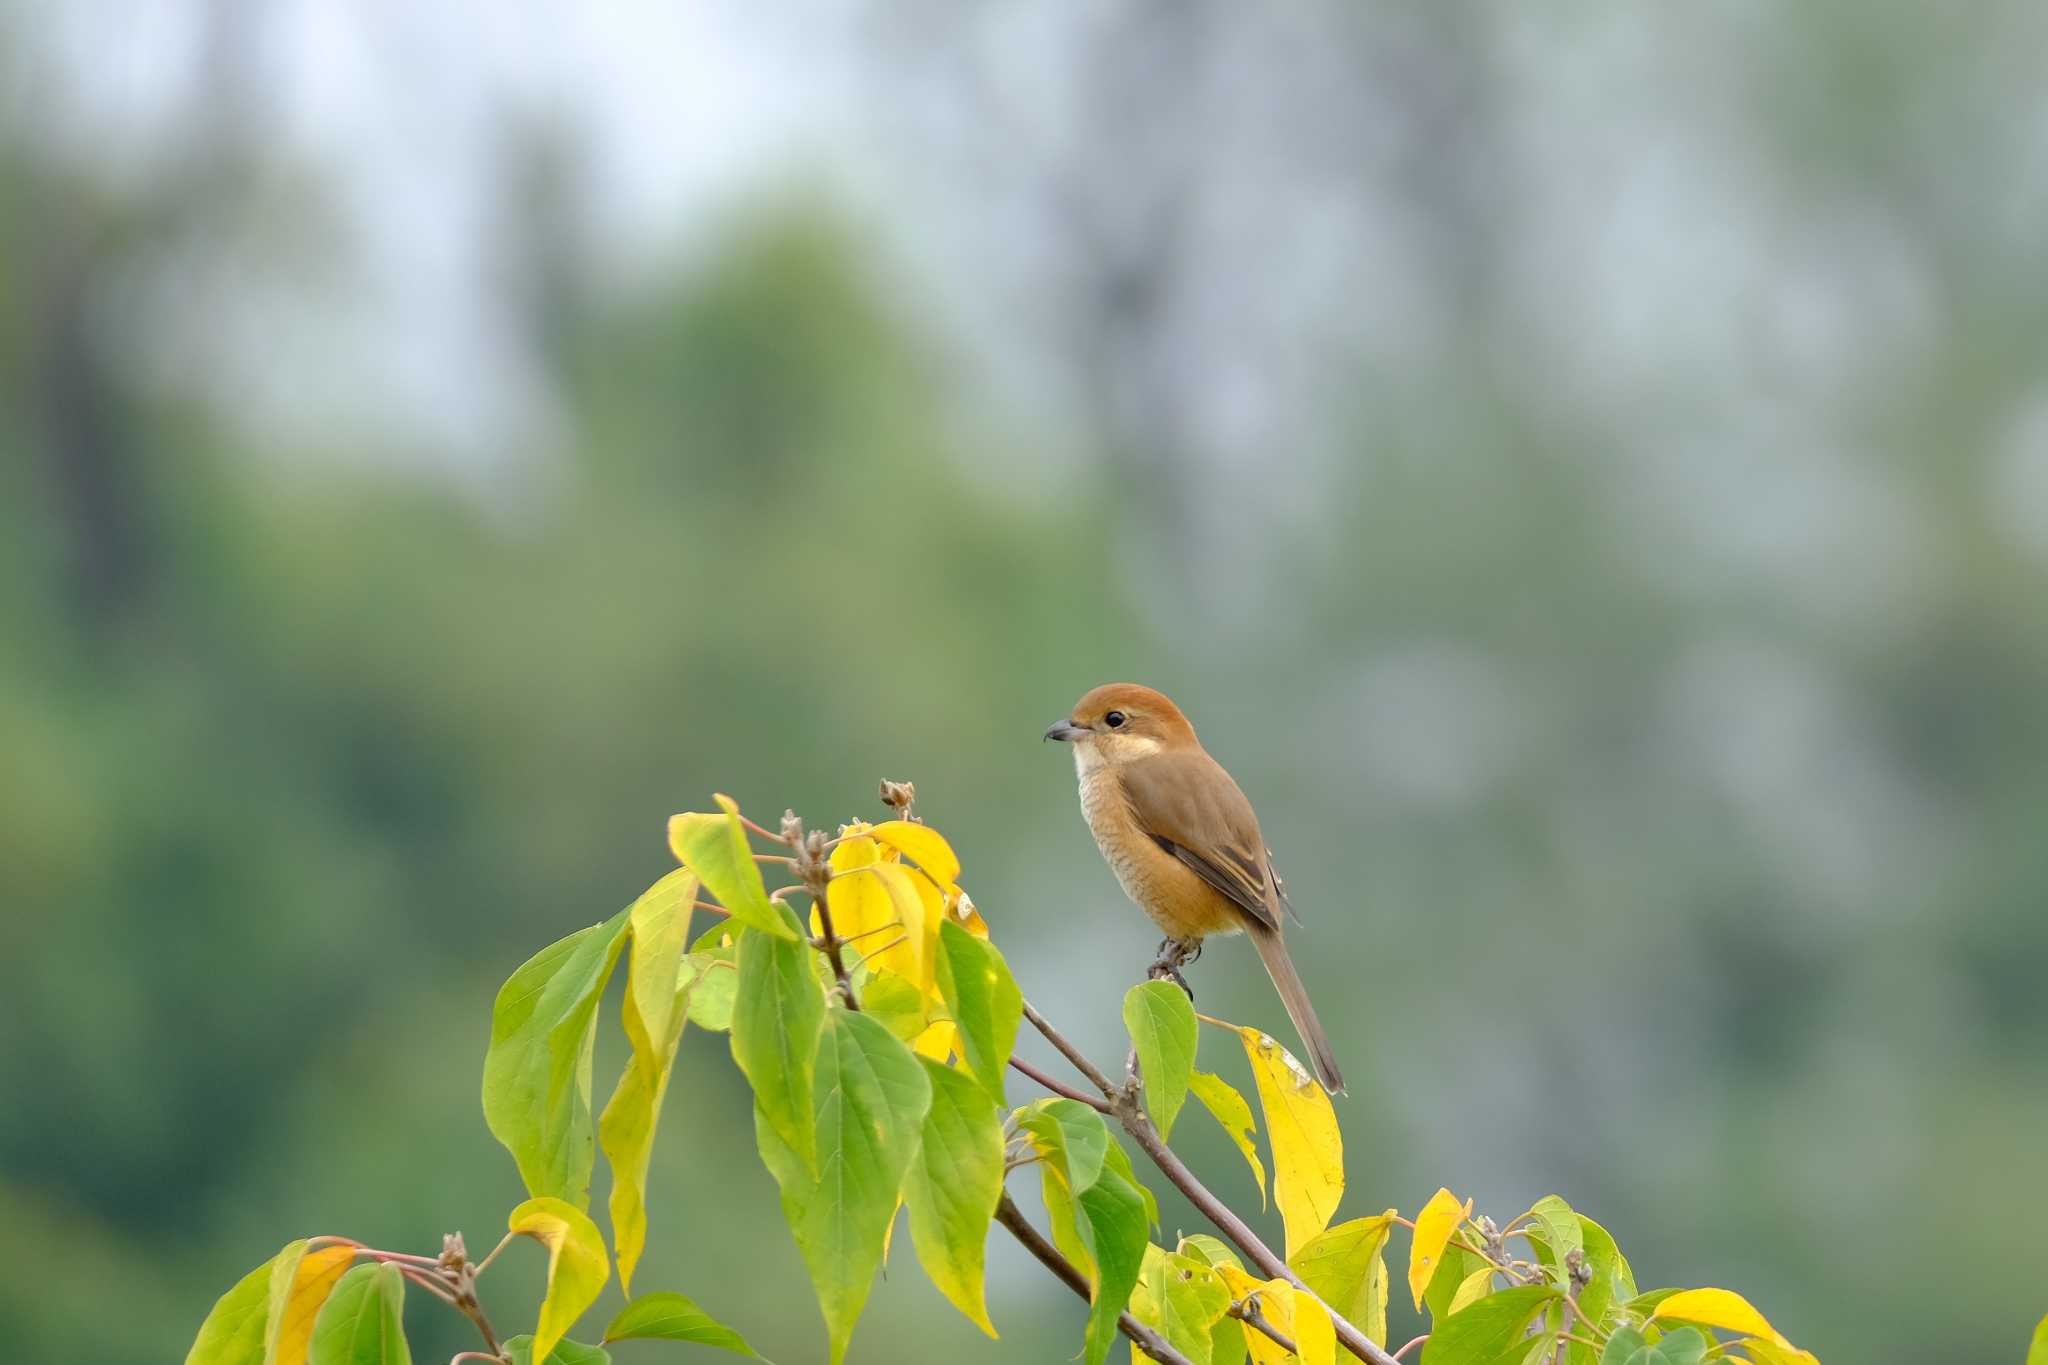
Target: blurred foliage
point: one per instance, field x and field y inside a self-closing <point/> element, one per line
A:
<point x="1676" y="707"/>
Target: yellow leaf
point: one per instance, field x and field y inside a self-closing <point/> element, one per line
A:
<point x="938" y="1041"/>
<point x="1720" y="1308"/>
<point x="1769" y="1353"/>
<point x="924" y="846"/>
<point x="911" y="953"/>
<point x="1439" y="1218"/>
<point x="1315" y="1338"/>
<point x="1228" y="1107"/>
<point x="1473" y="1286"/>
<point x="863" y="915"/>
<point x="577" y="1268"/>
<point x="1308" y="1149"/>
<point x="292" y="1312"/>
<point x="2037" y="1354"/>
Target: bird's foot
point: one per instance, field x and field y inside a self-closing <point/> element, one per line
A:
<point x="1175" y="953"/>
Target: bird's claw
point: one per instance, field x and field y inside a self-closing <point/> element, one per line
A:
<point x="1173" y="954"/>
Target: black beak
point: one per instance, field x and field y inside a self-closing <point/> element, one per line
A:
<point x="1065" y="730"/>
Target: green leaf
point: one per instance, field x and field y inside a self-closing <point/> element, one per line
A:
<point x="984" y="1001"/>
<point x="1561" y="1234"/>
<point x="1229" y="1109"/>
<point x="715" y="848"/>
<point x="712" y="978"/>
<point x="1115" y="1225"/>
<point x="776" y="1020"/>
<point x="1162" y="1026"/>
<point x="1070" y="1136"/>
<point x="674" y="1317"/>
<point x="896" y="1002"/>
<point x="869" y="1103"/>
<point x="1625" y="1342"/>
<point x="1210" y="1251"/>
<point x="653" y="1016"/>
<point x="1189" y="1300"/>
<point x="577" y="1268"/>
<point x="2037" y="1354"/>
<point x="1115" y="1158"/>
<point x="363" y="1320"/>
<point x="566" y="1352"/>
<point x="234" y="1332"/>
<point x="1454" y="1267"/>
<point x="1612" y="1281"/>
<point x="1346" y="1266"/>
<point x="537" y="1074"/>
<point x="1488" y="1330"/>
<point x="954" y="1187"/>
<point x="1684" y="1346"/>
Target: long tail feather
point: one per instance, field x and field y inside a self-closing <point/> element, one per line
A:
<point x="1294" y="995"/>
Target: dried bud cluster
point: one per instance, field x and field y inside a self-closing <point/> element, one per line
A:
<point x="899" y="796"/>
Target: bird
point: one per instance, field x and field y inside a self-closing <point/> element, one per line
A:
<point x="1183" y="841"/>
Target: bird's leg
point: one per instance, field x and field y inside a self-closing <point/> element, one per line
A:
<point x="1174" y="953"/>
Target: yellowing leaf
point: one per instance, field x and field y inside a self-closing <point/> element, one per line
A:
<point x="1346" y="1266"/>
<point x="940" y="1039"/>
<point x="1229" y="1109"/>
<point x="924" y="846"/>
<point x="577" y="1268"/>
<point x="715" y="848"/>
<point x="2037" y="1354"/>
<point x="1308" y="1149"/>
<point x="1720" y="1308"/>
<point x="653" y="1018"/>
<point x="1439" y="1218"/>
<point x="293" y="1307"/>
<point x="1473" y="1286"/>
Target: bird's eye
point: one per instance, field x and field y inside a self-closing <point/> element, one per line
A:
<point x="1114" y="720"/>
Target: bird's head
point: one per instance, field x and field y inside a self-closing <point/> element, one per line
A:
<point x="1120" y="722"/>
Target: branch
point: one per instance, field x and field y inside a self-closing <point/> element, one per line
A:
<point x="1060" y="1088"/>
<point x="1247" y="1311"/>
<point x="1070" y="1052"/>
<point x="1146" y="1340"/>
<point x="1124" y="1104"/>
<point x="1139" y="1126"/>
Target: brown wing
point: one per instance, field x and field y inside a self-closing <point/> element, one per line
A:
<point x="1192" y="809"/>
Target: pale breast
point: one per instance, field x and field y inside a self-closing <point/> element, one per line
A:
<point x="1178" y="901"/>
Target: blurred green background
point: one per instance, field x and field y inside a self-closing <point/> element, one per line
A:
<point x="1583" y="467"/>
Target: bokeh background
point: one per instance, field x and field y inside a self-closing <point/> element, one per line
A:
<point x="1584" y="467"/>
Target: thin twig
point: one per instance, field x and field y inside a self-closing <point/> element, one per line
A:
<point x="461" y="1356"/>
<point x="1412" y="1343"/>
<point x="433" y="1284"/>
<point x="770" y="835"/>
<point x="1060" y="1088"/>
<point x="1146" y="1340"/>
<point x="1070" y="1052"/>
